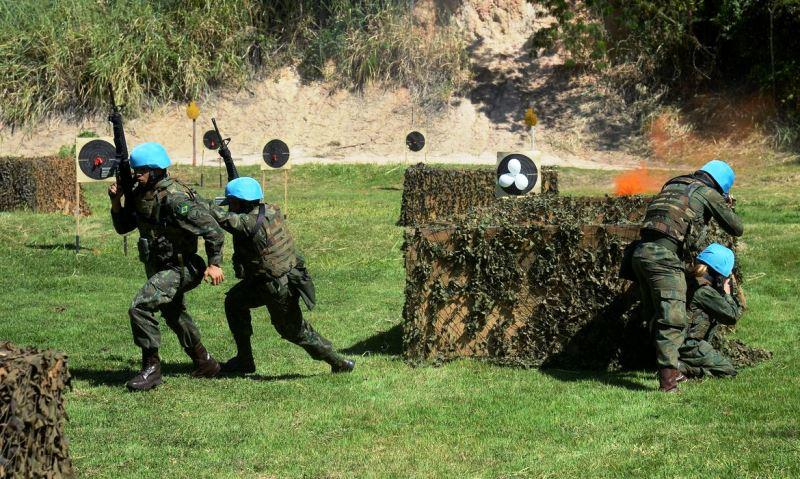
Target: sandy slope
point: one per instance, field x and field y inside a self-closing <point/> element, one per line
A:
<point x="326" y="125"/>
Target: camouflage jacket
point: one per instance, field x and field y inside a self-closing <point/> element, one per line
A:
<point x="708" y="308"/>
<point x="171" y="216"/>
<point x="668" y="211"/>
<point x="261" y="248"/>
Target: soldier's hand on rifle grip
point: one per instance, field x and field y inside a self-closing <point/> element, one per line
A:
<point x="115" y="192"/>
<point x="214" y="275"/>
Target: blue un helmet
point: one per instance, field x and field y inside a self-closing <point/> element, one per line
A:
<point x="721" y="172"/>
<point x="244" y="188"/>
<point x="150" y="155"/>
<point x="718" y="258"/>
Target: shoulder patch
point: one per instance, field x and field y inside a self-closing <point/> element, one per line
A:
<point x="183" y="208"/>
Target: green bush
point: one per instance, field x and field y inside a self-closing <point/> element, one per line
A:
<point x="61" y="56"/>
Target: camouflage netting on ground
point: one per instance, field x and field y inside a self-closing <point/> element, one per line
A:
<point x="532" y="282"/>
<point x="32" y="415"/>
<point x="439" y="194"/>
<point x="44" y="185"/>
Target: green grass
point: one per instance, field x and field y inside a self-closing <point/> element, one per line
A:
<point x="465" y="419"/>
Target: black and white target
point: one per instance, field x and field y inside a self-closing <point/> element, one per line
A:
<point x="97" y="160"/>
<point x="415" y="141"/>
<point x="517" y="174"/>
<point x="211" y="140"/>
<point x="275" y="154"/>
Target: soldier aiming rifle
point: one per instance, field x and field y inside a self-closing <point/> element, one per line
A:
<point x="272" y="273"/>
<point x="170" y="217"/>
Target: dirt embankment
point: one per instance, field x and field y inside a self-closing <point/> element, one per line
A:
<point x="582" y="124"/>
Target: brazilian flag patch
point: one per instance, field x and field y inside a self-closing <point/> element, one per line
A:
<point x="183" y="208"/>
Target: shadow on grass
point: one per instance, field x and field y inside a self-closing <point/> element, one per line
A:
<point x="53" y="247"/>
<point x="389" y="343"/>
<point x="620" y="379"/>
<point x="116" y="377"/>
<point x="279" y="377"/>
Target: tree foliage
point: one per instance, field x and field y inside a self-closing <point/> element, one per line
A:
<point x="685" y="44"/>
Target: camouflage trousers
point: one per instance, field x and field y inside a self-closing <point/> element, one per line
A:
<point x="662" y="287"/>
<point x="164" y="292"/>
<point x="699" y="359"/>
<point x="283" y="305"/>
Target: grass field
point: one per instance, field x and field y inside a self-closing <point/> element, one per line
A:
<point x="464" y="419"/>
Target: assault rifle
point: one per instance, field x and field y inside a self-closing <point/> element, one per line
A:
<point x="124" y="175"/>
<point x="225" y="153"/>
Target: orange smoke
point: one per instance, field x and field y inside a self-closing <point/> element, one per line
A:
<point x="635" y="182"/>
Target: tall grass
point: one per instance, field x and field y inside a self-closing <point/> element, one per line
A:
<point x="60" y="56"/>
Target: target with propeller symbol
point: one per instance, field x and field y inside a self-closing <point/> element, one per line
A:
<point x="517" y="174"/>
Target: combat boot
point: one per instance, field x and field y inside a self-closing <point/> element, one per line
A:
<point x="239" y="365"/>
<point x="243" y="362"/>
<point x="340" y="364"/>
<point x="668" y="380"/>
<point x="205" y="365"/>
<point x="150" y="375"/>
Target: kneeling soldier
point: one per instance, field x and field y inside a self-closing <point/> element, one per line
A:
<point x="272" y="274"/>
<point x="712" y="301"/>
<point x="170" y="217"/>
<point x="675" y="223"/>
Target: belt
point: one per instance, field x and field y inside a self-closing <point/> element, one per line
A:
<point x="650" y="236"/>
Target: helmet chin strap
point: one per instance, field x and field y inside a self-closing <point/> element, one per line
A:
<point x="156" y="175"/>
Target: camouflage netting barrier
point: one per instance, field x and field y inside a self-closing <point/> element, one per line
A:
<point x="533" y="282"/>
<point x="438" y="194"/>
<point x="45" y="185"/>
<point x="32" y="415"/>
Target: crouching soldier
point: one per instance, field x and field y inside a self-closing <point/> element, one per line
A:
<point x="272" y="274"/>
<point x="675" y="224"/>
<point x="170" y="217"/>
<point x="712" y="301"/>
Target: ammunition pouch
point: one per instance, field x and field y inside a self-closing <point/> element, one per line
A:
<point x="300" y="281"/>
<point x="238" y="270"/>
<point x="278" y="285"/>
<point x="144" y="250"/>
<point x="163" y="250"/>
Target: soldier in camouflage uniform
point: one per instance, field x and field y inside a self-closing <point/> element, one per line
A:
<point x="170" y="217"/>
<point x="675" y="223"/>
<point x="273" y="275"/>
<point x="712" y="301"/>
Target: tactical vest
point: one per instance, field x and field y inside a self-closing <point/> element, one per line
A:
<point x="166" y="241"/>
<point x="669" y="213"/>
<point x="268" y="250"/>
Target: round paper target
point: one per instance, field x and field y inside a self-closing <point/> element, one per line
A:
<point x="415" y="141"/>
<point x="517" y="174"/>
<point x="97" y="159"/>
<point x="211" y="140"/>
<point x="275" y="154"/>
